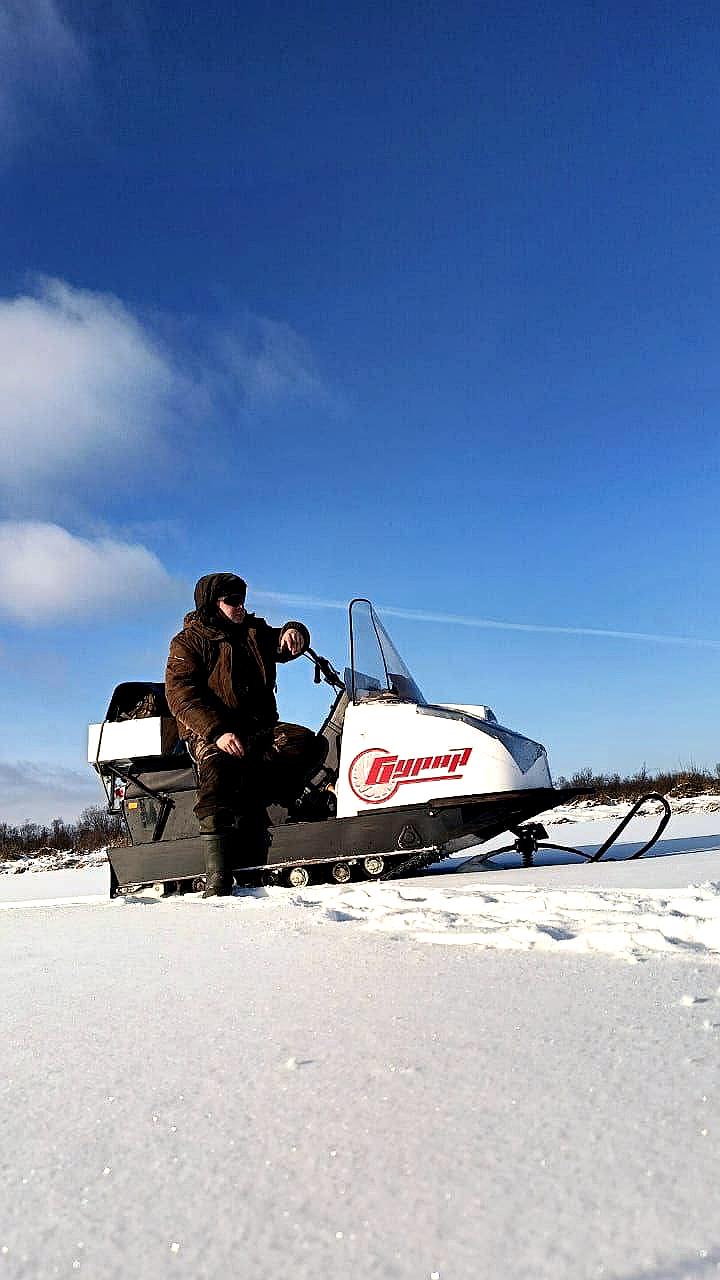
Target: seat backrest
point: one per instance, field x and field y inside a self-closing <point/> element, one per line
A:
<point x="331" y="731"/>
<point x="138" y="700"/>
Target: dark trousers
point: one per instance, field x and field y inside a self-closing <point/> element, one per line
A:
<point x="273" y="770"/>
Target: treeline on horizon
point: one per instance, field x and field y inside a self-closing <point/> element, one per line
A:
<point x="96" y="828"/>
<point x="681" y="783"/>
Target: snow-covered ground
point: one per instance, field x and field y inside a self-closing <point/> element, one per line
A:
<point x="484" y="1073"/>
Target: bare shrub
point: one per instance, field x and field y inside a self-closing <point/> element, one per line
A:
<point x="689" y="780"/>
<point x="94" y="829"/>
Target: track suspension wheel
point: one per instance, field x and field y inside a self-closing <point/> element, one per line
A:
<point x="298" y="877"/>
<point x="374" y="865"/>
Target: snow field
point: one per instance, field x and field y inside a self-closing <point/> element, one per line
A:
<point x="628" y="925"/>
<point x="463" y="1076"/>
<point x="627" y="909"/>
<point x="224" y="1087"/>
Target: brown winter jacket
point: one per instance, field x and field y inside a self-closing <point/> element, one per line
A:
<point x="220" y="677"/>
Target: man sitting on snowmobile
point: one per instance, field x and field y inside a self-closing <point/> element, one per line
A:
<point x="220" y="685"/>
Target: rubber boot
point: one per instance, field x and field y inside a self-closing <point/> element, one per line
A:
<point x="218" y="873"/>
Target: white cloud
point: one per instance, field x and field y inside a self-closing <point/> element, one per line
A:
<point x="86" y="385"/>
<point x="40" y="57"/>
<point x="80" y="379"/>
<point x="48" y="575"/>
<point x="41" y="792"/>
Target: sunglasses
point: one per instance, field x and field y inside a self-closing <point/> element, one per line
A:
<point x="233" y="600"/>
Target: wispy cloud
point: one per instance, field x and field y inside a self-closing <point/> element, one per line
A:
<point x="41" y="57"/>
<point x="41" y="792"/>
<point x="267" y="361"/>
<point x="48" y="575"/>
<point x="492" y="624"/>
<point x="83" y="379"/>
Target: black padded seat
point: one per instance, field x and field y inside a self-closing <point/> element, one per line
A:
<point x="162" y="780"/>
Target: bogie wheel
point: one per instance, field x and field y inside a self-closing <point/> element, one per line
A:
<point x="341" y="873"/>
<point x="198" y="884"/>
<point x="298" y="877"/>
<point x="374" y="865"/>
<point x="164" y="888"/>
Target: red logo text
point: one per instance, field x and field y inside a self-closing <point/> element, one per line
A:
<point x="375" y="775"/>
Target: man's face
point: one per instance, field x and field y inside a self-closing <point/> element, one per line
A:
<point x="233" y="607"/>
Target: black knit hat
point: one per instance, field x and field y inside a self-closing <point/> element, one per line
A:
<point x="214" y="585"/>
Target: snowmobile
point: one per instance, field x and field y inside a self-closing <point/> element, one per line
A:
<point x="404" y="783"/>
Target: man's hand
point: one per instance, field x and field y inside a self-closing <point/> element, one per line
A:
<point x="230" y="744"/>
<point x="292" y="641"/>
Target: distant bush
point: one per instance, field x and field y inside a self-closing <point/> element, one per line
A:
<point x="679" y="783"/>
<point x="98" y="829"/>
<point x="94" y="829"/>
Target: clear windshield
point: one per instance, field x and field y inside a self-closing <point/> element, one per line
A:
<point x="376" y="668"/>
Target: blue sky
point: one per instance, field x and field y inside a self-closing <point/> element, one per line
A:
<point x="404" y="301"/>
